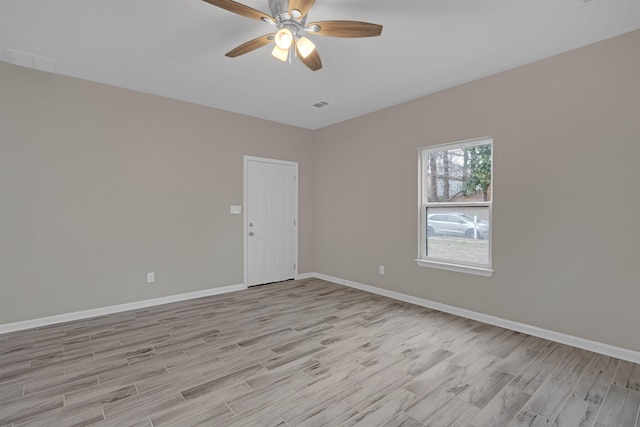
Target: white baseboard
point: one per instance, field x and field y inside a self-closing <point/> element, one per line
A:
<point x="306" y="276"/>
<point x="597" y="347"/>
<point x="85" y="314"/>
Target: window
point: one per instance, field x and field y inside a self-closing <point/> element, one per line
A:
<point x="455" y="206"/>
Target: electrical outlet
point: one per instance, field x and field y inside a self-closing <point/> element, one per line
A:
<point x="151" y="277"/>
<point x="381" y="270"/>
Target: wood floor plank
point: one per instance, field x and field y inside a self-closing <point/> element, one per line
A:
<point x="267" y="377"/>
<point x="64" y="388"/>
<point x="417" y="365"/>
<point x="192" y="413"/>
<point x="582" y="406"/>
<point x="222" y="394"/>
<point x="304" y="353"/>
<point x="375" y="388"/>
<point x="11" y="392"/>
<point x="268" y="420"/>
<point x="501" y="409"/>
<point x="576" y="412"/>
<point x="94" y="368"/>
<point x="573" y="365"/>
<point x="292" y="356"/>
<point x="303" y="342"/>
<point x="130" y="374"/>
<point x="508" y="345"/>
<point x="23" y="408"/>
<point x="27" y="355"/>
<point x="332" y="415"/>
<point x="474" y="367"/>
<point x="424" y="407"/>
<point x="593" y="386"/>
<point x="620" y="407"/>
<point x="74" y="418"/>
<point x="318" y="385"/>
<point x="517" y="361"/>
<point x="540" y="368"/>
<point x="280" y="394"/>
<point x="429" y="380"/>
<point x="141" y="405"/>
<point x="628" y="376"/>
<point x="480" y="392"/>
<point x="101" y="395"/>
<point x="549" y="398"/>
<point x="402" y="420"/>
<point x="126" y="420"/>
<point x="309" y="408"/>
<point x="380" y="412"/>
<point x="174" y="380"/>
<point x="455" y="412"/>
<point x="239" y="375"/>
<point x="243" y="358"/>
<point x="202" y="362"/>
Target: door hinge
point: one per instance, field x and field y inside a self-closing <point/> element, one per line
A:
<point x="295" y="178"/>
<point x="294" y="265"/>
<point x="294" y="221"/>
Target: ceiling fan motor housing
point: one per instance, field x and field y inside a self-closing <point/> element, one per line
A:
<point x="280" y="10"/>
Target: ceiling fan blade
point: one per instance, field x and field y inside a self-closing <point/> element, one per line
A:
<point x="312" y="61"/>
<point x="302" y="5"/>
<point x="240" y="9"/>
<point x="251" y="45"/>
<point x="346" y="29"/>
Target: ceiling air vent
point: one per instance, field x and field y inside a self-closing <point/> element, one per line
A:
<point x="321" y="104"/>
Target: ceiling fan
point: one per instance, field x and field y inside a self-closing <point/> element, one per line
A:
<point x="290" y="19"/>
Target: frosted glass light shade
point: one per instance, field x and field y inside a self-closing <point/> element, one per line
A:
<point x="305" y="46"/>
<point x="281" y="54"/>
<point x="284" y="38"/>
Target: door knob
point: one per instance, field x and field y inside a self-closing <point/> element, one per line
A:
<point x="251" y="233"/>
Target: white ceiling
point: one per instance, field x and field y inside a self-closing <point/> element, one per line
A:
<point x="175" y="48"/>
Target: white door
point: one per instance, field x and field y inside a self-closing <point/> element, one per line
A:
<point x="270" y="220"/>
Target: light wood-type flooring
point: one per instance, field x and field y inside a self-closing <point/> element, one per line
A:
<point x="304" y="353"/>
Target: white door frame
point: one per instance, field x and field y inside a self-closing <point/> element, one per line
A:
<point x="245" y="245"/>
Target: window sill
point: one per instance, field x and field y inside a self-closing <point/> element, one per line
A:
<point x="479" y="271"/>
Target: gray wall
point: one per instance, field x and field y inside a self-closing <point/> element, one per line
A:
<point x="100" y="185"/>
<point x="566" y="205"/>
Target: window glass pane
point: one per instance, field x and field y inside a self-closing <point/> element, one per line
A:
<point x="458" y="174"/>
<point x="458" y="234"/>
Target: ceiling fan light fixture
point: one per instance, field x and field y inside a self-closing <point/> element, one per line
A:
<point x="284" y="38"/>
<point x="290" y="19"/>
<point x="305" y="46"/>
<point x="281" y="54"/>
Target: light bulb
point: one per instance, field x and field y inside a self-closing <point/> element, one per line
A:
<point x="284" y="38"/>
<point x="305" y="46"/>
<point x="281" y="54"/>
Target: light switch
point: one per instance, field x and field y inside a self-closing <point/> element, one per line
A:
<point x="235" y="209"/>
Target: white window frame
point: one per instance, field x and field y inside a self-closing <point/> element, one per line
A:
<point x="452" y="265"/>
